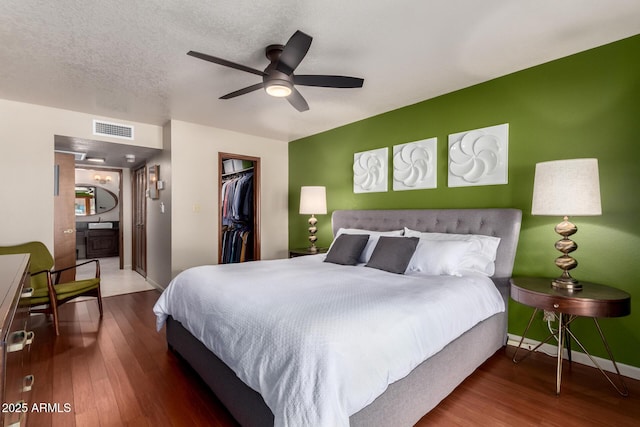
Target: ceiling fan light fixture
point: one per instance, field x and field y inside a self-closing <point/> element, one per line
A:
<point x="278" y="88"/>
<point x="279" y="79"/>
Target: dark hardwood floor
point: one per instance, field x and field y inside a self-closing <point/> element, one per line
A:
<point x="117" y="372"/>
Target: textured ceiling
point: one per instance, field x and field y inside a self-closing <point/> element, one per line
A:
<point x="127" y="59"/>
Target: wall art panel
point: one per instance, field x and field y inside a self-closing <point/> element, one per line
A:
<point x="414" y="165"/>
<point x="479" y="157"/>
<point x="370" y="171"/>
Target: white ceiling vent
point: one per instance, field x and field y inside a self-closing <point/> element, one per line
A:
<point x="113" y="130"/>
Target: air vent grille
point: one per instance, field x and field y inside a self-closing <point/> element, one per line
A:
<point x="113" y="130"/>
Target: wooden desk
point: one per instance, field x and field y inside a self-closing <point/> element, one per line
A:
<point x="15" y="379"/>
<point x="592" y="301"/>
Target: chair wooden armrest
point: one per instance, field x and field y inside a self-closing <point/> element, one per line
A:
<point x="40" y="272"/>
<point x="57" y="272"/>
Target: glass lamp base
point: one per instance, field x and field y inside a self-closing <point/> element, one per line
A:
<point x="566" y="262"/>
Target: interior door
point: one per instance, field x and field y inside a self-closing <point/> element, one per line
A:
<point x="139" y="241"/>
<point x="64" y="218"/>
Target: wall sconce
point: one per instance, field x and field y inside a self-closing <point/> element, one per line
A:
<point x="154" y="180"/>
<point x="102" y="180"/>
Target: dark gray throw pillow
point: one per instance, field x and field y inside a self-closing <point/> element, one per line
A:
<point x="347" y="249"/>
<point x="393" y="254"/>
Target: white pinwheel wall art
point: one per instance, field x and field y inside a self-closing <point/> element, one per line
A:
<point x="479" y="157"/>
<point x="414" y="165"/>
<point x="370" y="171"/>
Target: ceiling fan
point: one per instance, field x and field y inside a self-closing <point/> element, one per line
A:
<point x="278" y="78"/>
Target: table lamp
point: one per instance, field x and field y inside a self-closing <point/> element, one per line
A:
<point x="566" y="188"/>
<point x="313" y="200"/>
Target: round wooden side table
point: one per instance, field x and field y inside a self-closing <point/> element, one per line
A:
<point x="592" y="301"/>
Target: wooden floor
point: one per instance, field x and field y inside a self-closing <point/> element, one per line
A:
<point x="117" y="372"/>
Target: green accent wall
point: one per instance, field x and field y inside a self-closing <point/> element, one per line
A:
<point x="584" y="105"/>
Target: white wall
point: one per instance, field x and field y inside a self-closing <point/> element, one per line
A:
<point x="159" y="215"/>
<point x="180" y="238"/>
<point x="195" y="205"/>
<point x="26" y="164"/>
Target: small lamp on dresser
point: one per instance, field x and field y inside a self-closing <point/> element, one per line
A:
<point x="563" y="188"/>
<point x="313" y="201"/>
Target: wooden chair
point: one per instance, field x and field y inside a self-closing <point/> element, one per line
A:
<point x="47" y="291"/>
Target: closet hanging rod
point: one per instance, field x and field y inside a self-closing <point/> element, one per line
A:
<point x="226" y="175"/>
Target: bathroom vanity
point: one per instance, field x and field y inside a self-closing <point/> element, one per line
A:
<point x="98" y="239"/>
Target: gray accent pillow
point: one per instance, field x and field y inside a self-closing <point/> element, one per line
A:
<point x="393" y="254"/>
<point x="346" y="249"/>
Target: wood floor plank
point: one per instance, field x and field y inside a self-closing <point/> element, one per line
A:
<point x="106" y="404"/>
<point x="83" y="397"/>
<point x="137" y="363"/>
<point x="125" y="396"/>
<point x="62" y="383"/>
<point x="117" y="371"/>
<point x="88" y="418"/>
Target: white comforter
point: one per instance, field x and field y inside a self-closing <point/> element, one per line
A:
<point x="320" y="341"/>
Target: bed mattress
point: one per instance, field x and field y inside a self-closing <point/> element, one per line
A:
<point x="321" y="341"/>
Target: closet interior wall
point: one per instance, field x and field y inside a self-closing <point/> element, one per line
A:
<point x="239" y="195"/>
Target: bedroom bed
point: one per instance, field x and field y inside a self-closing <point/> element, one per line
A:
<point x="407" y="391"/>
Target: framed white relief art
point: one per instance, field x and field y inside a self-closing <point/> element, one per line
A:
<point x="370" y="171"/>
<point x="479" y="157"/>
<point x="414" y="165"/>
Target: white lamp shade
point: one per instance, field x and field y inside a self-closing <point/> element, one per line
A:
<point x="313" y="200"/>
<point x="567" y="188"/>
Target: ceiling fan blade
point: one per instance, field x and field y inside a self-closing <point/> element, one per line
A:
<point x="297" y="101"/>
<point x="293" y="52"/>
<point x="243" y="91"/>
<point x="328" y="81"/>
<point x="226" y="63"/>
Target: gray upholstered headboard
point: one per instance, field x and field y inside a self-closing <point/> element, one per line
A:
<point x="503" y="223"/>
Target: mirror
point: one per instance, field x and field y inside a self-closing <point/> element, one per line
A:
<point x="93" y="200"/>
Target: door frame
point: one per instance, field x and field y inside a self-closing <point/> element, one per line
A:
<point x="139" y="201"/>
<point x="256" y="201"/>
<point x="120" y="206"/>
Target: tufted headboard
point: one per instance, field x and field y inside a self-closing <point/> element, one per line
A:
<point x="503" y="223"/>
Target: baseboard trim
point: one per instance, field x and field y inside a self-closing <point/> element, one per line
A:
<point x="155" y="284"/>
<point x="576" y="356"/>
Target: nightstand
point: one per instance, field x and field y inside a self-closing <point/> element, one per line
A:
<point x="305" y="251"/>
<point x="592" y="301"/>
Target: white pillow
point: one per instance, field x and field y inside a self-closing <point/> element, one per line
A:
<point x="438" y="257"/>
<point x="480" y="257"/>
<point x="373" y="239"/>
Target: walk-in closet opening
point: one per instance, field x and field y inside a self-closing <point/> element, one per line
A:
<point x="239" y="195"/>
